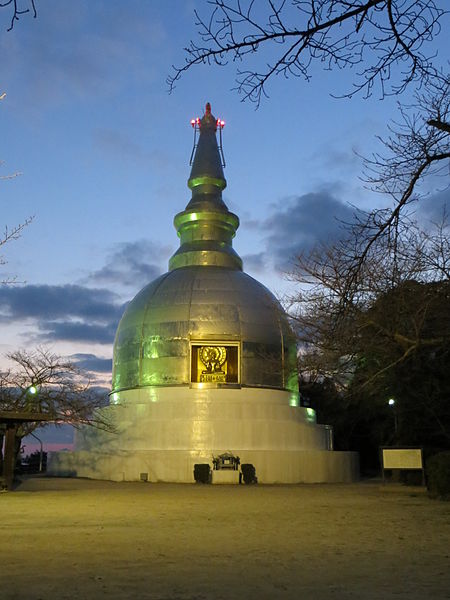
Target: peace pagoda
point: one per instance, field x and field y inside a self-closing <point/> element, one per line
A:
<point x="205" y="365"/>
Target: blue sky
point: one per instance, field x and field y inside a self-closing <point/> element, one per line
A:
<point x="103" y="152"/>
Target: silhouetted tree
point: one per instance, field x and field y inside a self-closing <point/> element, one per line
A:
<point x="8" y="235"/>
<point x="379" y="37"/>
<point x="43" y="382"/>
<point x="14" y="232"/>
<point x="404" y="353"/>
<point x="18" y="8"/>
<point x="382" y="335"/>
<point x="418" y="147"/>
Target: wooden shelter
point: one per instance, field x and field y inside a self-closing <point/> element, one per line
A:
<point x="9" y="421"/>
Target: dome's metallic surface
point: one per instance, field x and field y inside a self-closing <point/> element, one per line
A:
<point x="203" y="304"/>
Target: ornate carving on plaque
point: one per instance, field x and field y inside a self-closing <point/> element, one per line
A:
<point x="214" y="359"/>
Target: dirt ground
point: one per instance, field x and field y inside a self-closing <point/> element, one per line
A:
<point x="67" y="538"/>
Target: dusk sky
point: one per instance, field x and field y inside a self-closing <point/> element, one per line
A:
<point x="103" y="152"/>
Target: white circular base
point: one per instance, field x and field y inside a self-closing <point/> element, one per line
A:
<point x="161" y="433"/>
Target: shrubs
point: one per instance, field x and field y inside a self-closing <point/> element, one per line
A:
<point x="249" y="473"/>
<point x="438" y="475"/>
<point x="32" y="462"/>
<point x="202" y="473"/>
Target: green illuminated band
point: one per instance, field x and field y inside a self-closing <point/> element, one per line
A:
<point x="206" y="180"/>
<point x="204" y="258"/>
<point x="228" y="220"/>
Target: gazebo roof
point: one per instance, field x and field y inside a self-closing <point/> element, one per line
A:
<point x="12" y="416"/>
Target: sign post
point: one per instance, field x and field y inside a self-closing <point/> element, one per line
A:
<point x="402" y="459"/>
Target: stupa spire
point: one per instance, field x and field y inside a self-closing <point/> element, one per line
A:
<point x="206" y="227"/>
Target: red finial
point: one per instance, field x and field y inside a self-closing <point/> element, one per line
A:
<point x="208" y="108"/>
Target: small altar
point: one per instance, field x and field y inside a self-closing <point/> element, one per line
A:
<point x="226" y="469"/>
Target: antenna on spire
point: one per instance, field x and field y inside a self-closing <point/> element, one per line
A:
<point x="221" y="125"/>
<point x="196" y="126"/>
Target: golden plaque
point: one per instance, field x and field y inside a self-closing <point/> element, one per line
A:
<point x="214" y="359"/>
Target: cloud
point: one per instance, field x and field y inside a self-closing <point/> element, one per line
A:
<point x="118" y="143"/>
<point x="122" y="145"/>
<point x="434" y="206"/>
<point x="56" y="301"/>
<point x="70" y="331"/>
<point x="132" y="264"/>
<point x="298" y="223"/>
<point x="334" y="157"/>
<point x="64" y="312"/>
<point x="77" y="312"/>
<point x="91" y="362"/>
<point x="254" y="262"/>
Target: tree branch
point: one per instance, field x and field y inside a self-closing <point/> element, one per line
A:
<point x="383" y="33"/>
<point x="17" y="12"/>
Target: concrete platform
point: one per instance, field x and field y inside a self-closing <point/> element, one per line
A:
<point x="164" y="432"/>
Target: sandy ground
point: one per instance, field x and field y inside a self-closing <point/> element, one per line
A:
<point x="67" y="538"/>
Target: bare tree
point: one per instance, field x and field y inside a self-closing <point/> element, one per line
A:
<point x="332" y="308"/>
<point x="10" y="175"/>
<point x="15" y="232"/>
<point x="43" y="382"/>
<point x="11" y="234"/>
<point x="19" y="8"/>
<point x="385" y="41"/>
<point x="383" y="334"/>
<point x="418" y="146"/>
<point x="378" y="37"/>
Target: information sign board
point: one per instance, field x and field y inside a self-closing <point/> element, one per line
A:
<point x="402" y="458"/>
